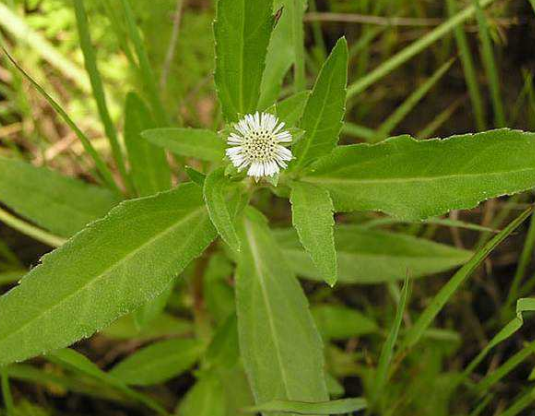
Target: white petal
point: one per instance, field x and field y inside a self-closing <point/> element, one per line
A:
<point x="234" y="139"/>
<point x="284" y="137"/>
<point x="284" y="153"/>
<point x="279" y="127"/>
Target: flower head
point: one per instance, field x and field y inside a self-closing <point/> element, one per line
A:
<point x="256" y="143"/>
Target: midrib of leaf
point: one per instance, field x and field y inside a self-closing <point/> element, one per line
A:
<point x="318" y="119"/>
<point x="107" y="270"/>
<point x="320" y="179"/>
<point x="258" y="267"/>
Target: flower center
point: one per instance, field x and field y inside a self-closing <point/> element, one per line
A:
<point x="260" y="145"/>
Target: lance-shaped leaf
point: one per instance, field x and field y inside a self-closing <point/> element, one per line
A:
<point x="414" y="180"/>
<point x="242" y="33"/>
<point x="158" y="362"/>
<point x="325" y="109"/>
<point x="58" y="203"/>
<point x="216" y="188"/>
<point x="104" y="272"/>
<point x="370" y="257"/>
<point x="200" y="144"/>
<point x="312" y="216"/>
<point x="283" y="48"/>
<point x="150" y="170"/>
<point x="280" y="346"/>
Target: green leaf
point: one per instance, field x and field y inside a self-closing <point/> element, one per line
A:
<point x="337" y="407"/>
<point x="340" y="322"/>
<point x="291" y="109"/>
<point x="370" y="257"/>
<point x="150" y="170"/>
<point x="325" y="109"/>
<point x="200" y="144"/>
<point x="75" y="361"/>
<point x="163" y="325"/>
<point x="205" y="398"/>
<point x="414" y="180"/>
<point x="415" y="333"/>
<point x="280" y="55"/>
<point x="312" y="216"/>
<point x="158" y="362"/>
<point x="216" y="191"/>
<point x="242" y="33"/>
<point x="108" y="270"/>
<point x="279" y="343"/>
<point x="58" y="203"/>
<point x="282" y="48"/>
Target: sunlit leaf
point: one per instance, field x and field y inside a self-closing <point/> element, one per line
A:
<point x="106" y="271"/>
<point x="413" y="179"/>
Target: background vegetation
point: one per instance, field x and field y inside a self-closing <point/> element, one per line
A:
<point x="437" y="81"/>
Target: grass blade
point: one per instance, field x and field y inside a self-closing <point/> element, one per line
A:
<point x="88" y="147"/>
<point x="98" y="89"/>
<point x="408" y="105"/>
<point x="412" y="50"/>
<point x="490" y="64"/>
<point x="469" y="70"/>
<point x="77" y="362"/>
<point x="149" y="80"/>
<point x="439" y="301"/>
<point x="500" y="372"/>
<point x="387" y="351"/>
<point x="522" y="306"/>
<point x="520" y="273"/>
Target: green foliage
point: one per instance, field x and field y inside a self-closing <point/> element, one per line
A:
<point x="107" y="270"/>
<point x="339" y="322"/>
<point x="312" y="216"/>
<point x="150" y="171"/>
<point x="242" y="32"/>
<point x="301" y="408"/>
<point x="279" y="343"/>
<point x="418" y="179"/>
<point x="158" y="362"/>
<point x="371" y="257"/>
<point x="216" y="189"/>
<point x="60" y="204"/>
<point x="200" y="144"/>
<point x="325" y="108"/>
<point x="238" y="332"/>
<point x="206" y="398"/>
<point x="442" y="297"/>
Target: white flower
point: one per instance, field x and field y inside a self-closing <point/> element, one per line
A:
<point x="256" y="144"/>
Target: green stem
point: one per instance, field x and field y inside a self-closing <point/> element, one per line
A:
<point x="30" y="230"/>
<point x="6" y="393"/>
